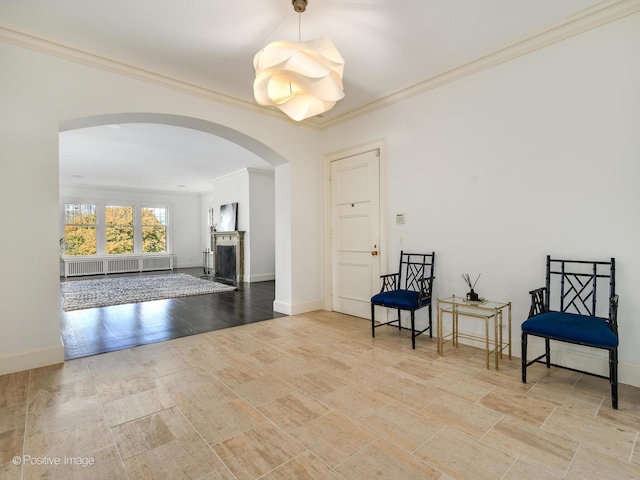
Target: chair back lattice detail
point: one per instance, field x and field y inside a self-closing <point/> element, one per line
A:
<point x="581" y="286"/>
<point x="416" y="277"/>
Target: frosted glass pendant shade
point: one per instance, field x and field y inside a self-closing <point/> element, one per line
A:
<point x="302" y="79"/>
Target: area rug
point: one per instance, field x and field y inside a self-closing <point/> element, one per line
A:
<point x="103" y="292"/>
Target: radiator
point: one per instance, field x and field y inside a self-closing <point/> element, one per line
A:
<point x="97" y="266"/>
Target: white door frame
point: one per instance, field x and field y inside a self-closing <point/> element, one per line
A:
<point x="381" y="145"/>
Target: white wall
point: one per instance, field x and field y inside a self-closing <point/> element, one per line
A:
<point x="184" y="217"/>
<point x="262" y="225"/>
<point x="536" y="156"/>
<point x="38" y="92"/>
<point x="254" y="190"/>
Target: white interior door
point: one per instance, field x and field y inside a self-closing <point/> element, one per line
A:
<point x="355" y="232"/>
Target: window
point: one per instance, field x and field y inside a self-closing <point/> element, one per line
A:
<point x="80" y="229"/>
<point x="115" y="228"/>
<point x="119" y="229"/>
<point x="154" y="230"/>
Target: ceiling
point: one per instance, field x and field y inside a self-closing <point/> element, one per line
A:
<point x="389" y="46"/>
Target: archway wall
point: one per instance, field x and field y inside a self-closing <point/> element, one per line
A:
<point x="40" y="94"/>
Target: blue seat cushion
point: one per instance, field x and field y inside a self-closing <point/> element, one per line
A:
<point x="571" y="327"/>
<point x="402" y="299"/>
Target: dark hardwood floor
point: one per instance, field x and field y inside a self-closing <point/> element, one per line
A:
<point x="99" y="330"/>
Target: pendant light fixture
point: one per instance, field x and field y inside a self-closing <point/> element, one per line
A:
<point x="302" y="79"/>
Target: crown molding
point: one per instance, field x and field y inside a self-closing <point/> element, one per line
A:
<point x="588" y="19"/>
<point x="39" y="43"/>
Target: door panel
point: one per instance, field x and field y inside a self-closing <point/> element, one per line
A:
<point x="355" y="211"/>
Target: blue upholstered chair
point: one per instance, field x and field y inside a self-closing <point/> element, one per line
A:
<point x="409" y="289"/>
<point x="576" y="306"/>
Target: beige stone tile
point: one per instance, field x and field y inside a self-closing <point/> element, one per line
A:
<point x="202" y="397"/>
<point x="528" y="409"/>
<point x="103" y="464"/>
<point x="317" y="383"/>
<point x="462" y="386"/>
<point x="222" y="473"/>
<point x="65" y="416"/>
<point x="355" y="403"/>
<point x="523" y="471"/>
<point x="257" y="451"/>
<point x="59" y="374"/>
<point x="413" y="394"/>
<point x="13" y="389"/>
<point x="417" y="370"/>
<point x="226" y="420"/>
<point x="208" y="355"/>
<point x="591" y="464"/>
<point x="46" y="396"/>
<point x="464" y="457"/>
<point x="241" y="372"/>
<point x="135" y="406"/>
<point x="506" y="380"/>
<point x="152" y="431"/>
<point x="162" y="361"/>
<point x="303" y="467"/>
<point x="293" y="410"/>
<point x="549" y="452"/>
<point x="11" y="443"/>
<point x="235" y="340"/>
<point x="113" y="388"/>
<point x="10" y="471"/>
<point x="70" y="441"/>
<point x="286" y="369"/>
<point x="188" y="457"/>
<point x="402" y="426"/>
<point x="263" y="390"/>
<point x="567" y="397"/>
<point x="13" y="417"/>
<point x="268" y="355"/>
<point x="594" y="433"/>
<point x="383" y="460"/>
<point x="471" y="418"/>
<point x="113" y="365"/>
<point x="333" y="438"/>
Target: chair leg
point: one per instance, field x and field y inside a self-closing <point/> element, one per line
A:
<point x="399" y="322"/>
<point x="613" y="376"/>
<point x="524" y="357"/>
<point x="413" y="329"/>
<point x="547" y="350"/>
<point x="430" y="323"/>
<point x="373" y="321"/>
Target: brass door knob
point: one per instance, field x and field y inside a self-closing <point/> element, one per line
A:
<point x="374" y="252"/>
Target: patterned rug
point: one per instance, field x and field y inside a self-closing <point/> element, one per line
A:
<point x="102" y="292"/>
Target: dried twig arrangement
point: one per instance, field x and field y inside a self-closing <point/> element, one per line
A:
<point x="467" y="280"/>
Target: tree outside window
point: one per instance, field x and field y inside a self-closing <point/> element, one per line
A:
<point x="154" y="230"/>
<point x="80" y="229"/>
<point x="119" y="229"/>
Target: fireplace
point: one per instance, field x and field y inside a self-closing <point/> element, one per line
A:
<point x="226" y="263"/>
<point x="228" y="251"/>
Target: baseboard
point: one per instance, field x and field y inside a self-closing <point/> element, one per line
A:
<point x="32" y="359"/>
<point x="296" y="309"/>
<point x="266" y="277"/>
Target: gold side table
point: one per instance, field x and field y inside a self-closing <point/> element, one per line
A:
<point x="488" y="311"/>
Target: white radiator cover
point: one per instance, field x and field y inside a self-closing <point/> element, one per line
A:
<point x="74" y="267"/>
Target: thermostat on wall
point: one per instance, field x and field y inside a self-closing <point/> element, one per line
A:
<point x="400" y="218"/>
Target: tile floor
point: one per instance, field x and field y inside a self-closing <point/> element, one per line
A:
<point x="311" y="397"/>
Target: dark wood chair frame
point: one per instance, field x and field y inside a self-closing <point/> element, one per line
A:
<point x="415" y="274"/>
<point x="577" y="292"/>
